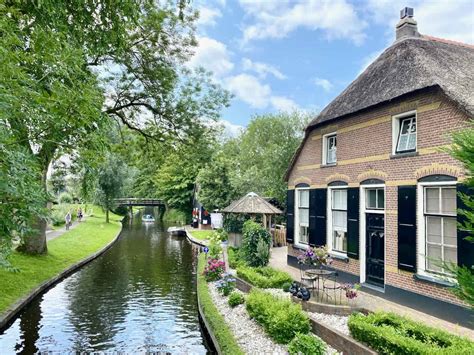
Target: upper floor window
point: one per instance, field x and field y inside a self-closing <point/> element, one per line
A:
<point x="404" y="133"/>
<point x="329" y="149"/>
<point x="302" y="216"/>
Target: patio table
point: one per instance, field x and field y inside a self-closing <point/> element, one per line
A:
<point x="320" y="274"/>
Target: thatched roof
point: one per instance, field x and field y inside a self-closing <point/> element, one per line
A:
<point x="409" y="65"/>
<point x="252" y="204"/>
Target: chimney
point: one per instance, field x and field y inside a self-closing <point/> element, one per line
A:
<point x="407" y="27"/>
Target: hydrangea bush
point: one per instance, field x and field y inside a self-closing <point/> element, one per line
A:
<point x="226" y="285"/>
<point x="214" y="269"/>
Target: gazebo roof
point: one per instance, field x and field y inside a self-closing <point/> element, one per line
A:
<point x="252" y="204"/>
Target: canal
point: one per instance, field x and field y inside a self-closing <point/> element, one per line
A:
<point x="140" y="296"/>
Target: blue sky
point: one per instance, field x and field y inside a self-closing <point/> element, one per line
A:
<point x="285" y="55"/>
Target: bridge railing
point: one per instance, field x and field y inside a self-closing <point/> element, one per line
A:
<point x="132" y="201"/>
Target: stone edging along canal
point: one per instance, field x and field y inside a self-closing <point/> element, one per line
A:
<point x="13" y="310"/>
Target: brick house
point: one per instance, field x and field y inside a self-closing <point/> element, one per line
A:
<point x="372" y="179"/>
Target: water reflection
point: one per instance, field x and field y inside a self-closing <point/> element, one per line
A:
<point x="139" y="296"/>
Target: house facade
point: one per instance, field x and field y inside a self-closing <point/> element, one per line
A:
<point x="374" y="181"/>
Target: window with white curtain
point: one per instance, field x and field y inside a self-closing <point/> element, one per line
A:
<point x="339" y="220"/>
<point x="440" y="228"/>
<point x="303" y="216"/>
<point x="330" y="149"/>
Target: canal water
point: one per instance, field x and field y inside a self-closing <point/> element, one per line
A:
<point x="140" y="296"/>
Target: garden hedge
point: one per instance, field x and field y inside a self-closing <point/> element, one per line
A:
<point x="281" y="318"/>
<point x="263" y="277"/>
<point x="389" y="333"/>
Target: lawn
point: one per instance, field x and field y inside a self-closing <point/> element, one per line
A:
<point x="73" y="246"/>
<point x="202" y="235"/>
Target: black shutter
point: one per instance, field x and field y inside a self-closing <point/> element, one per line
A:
<point x="407" y="228"/>
<point x="353" y="222"/>
<point x="317" y="217"/>
<point x="290" y="216"/>
<point x="465" y="247"/>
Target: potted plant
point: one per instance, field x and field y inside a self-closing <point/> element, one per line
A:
<point x="318" y="257"/>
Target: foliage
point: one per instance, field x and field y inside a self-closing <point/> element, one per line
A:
<point x="215" y="249"/>
<point x="286" y="286"/>
<point x="21" y="196"/>
<point x="64" y="251"/>
<point x="214" y="188"/>
<point x="233" y="223"/>
<point x="236" y="298"/>
<point x="214" y="319"/>
<point x="262" y="254"/>
<point x="110" y="183"/>
<point x="226" y="284"/>
<point x="281" y="318"/>
<point x="463" y="150"/>
<point x="264" y="277"/>
<point x="315" y="256"/>
<point x="214" y="269"/>
<point x="58" y="212"/>
<point x="252" y="234"/>
<point x="65" y="197"/>
<point x="174" y="215"/>
<point x="307" y="344"/>
<point x="234" y="258"/>
<point x="58" y="178"/>
<point x="389" y="333"/>
<point x="221" y="234"/>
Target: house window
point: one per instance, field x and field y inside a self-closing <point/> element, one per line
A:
<point x="404" y="133"/>
<point x="329" y="149"/>
<point x="375" y="199"/>
<point x="440" y="228"/>
<point x="303" y="216"/>
<point x="339" y="220"/>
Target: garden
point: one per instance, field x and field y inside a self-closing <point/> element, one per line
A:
<point x="267" y="318"/>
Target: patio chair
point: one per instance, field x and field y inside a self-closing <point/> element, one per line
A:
<point x="307" y="280"/>
<point x="331" y="289"/>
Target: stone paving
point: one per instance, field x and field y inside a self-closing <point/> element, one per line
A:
<point x="373" y="303"/>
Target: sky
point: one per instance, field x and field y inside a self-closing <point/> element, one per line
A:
<point x="279" y="55"/>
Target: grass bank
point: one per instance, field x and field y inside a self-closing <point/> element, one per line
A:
<point x="87" y="238"/>
<point x="202" y="235"/>
<point x="216" y="322"/>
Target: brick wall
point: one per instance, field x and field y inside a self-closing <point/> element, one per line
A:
<point x="364" y="151"/>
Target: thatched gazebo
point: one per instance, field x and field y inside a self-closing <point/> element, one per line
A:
<point x="253" y="205"/>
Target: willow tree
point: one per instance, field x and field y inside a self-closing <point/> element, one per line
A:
<point x="61" y="58"/>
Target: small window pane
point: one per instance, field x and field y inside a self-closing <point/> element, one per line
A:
<point x="450" y="231"/>
<point x="448" y="200"/>
<point x="450" y="255"/>
<point x="433" y="260"/>
<point x="304" y="235"/>
<point x="432" y="200"/>
<point x="339" y="199"/>
<point x="331" y="149"/>
<point x="304" y="198"/>
<point x="433" y="229"/>
<point x="339" y="220"/>
<point x="372" y="198"/>
<point x="405" y="126"/>
<point x="339" y="242"/>
<point x="403" y="143"/>
<point x="411" y="144"/>
<point x="380" y="198"/>
<point x="304" y="216"/>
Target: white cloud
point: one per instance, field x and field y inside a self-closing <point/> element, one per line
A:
<point x="208" y="16"/>
<point x="249" y="89"/>
<point x="451" y="20"/>
<point x="212" y="55"/>
<point x="262" y="69"/>
<point x="276" y="19"/>
<point x="323" y="83"/>
<point x="230" y="129"/>
<point x="281" y="103"/>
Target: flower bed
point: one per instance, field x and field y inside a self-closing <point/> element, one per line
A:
<point x="263" y="277"/>
<point x="389" y="333"/>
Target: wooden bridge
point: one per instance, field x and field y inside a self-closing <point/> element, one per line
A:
<point x="139" y="202"/>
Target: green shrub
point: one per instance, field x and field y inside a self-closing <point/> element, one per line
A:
<point x="235" y="299"/>
<point x="234" y="257"/>
<point x="65" y="198"/>
<point x="286" y="286"/>
<point x="251" y="253"/>
<point x="306" y="344"/>
<point x="233" y="223"/>
<point x="215" y="249"/>
<point x="175" y="216"/>
<point x="263" y="277"/>
<point x="389" y="333"/>
<point x="281" y="318"/>
<point x="221" y="234"/>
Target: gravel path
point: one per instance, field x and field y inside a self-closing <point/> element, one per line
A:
<point x="336" y="322"/>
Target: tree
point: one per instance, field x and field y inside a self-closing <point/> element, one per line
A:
<point x="59" y="56"/>
<point x="110" y="181"/>
<point x="464" y="151"/>
<point x="58" y="179"/>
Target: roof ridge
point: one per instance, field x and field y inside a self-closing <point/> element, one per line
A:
<point x="447" y="41"/>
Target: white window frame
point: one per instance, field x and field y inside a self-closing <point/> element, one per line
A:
<point x="374" y="210"/>
<point x="297" y="217"/>
<point x="396" y="125"/>
<point x="329" y="231"/>
<point x="325" y="148"/>
<point x="421" y="230"/>
<point x="362" y="232"/>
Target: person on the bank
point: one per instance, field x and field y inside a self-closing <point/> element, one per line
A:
<point x="68" y="219"/>
<point x="79" y="214"/>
